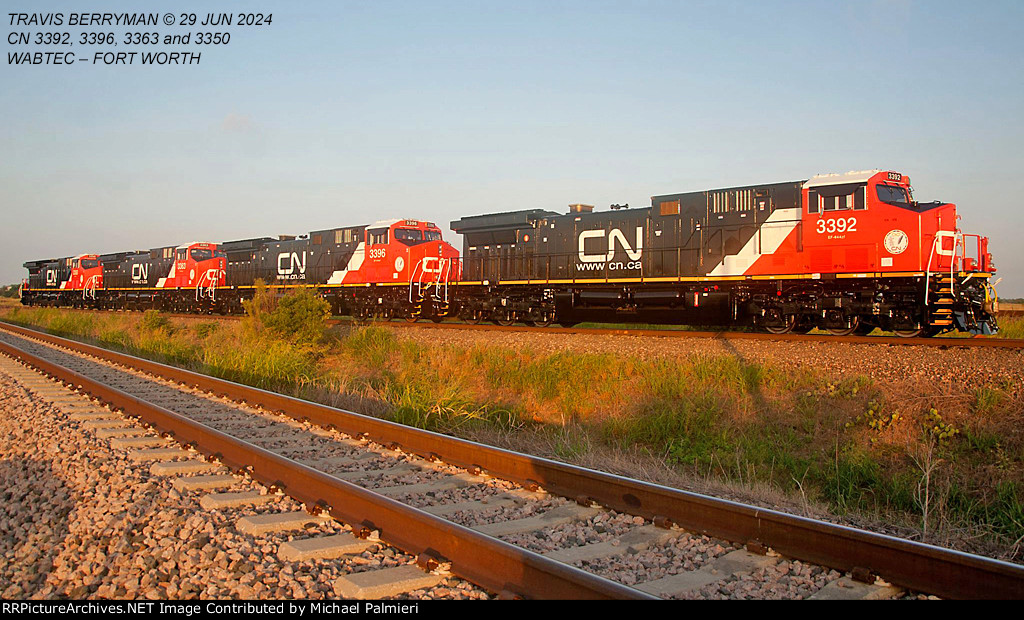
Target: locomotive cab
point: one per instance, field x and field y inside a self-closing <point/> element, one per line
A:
<point x="86" y="274"/>
<point x="870" y="222"/>
<point x="196" y="266"/>
<point x="408" y="251"/>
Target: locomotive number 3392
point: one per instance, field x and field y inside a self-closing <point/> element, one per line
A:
<point x="839" y="224"/>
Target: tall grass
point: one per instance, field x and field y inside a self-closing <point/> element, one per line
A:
<point x="1011" y="327"/>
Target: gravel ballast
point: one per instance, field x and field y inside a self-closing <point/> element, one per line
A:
<point x="81" y="520"/>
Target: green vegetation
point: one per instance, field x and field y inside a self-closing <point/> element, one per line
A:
<point x="943" y="462"/>
<point x="299" y="317"/>
<point x="9" y="291"/>
<point x="1011" y="327"/>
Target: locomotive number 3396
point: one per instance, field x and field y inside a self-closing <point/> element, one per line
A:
<point x="839" y="224"/>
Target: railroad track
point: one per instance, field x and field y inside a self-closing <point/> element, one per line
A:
<point x="984" y="342"/>
<point x="513" y="524"/>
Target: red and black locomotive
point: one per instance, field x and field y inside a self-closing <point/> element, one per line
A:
<point x="391" y="268"/>
<point x="846" y="253"/>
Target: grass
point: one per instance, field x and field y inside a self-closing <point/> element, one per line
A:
<point x="945" y="463"/>
<point x="1011" y="327"/>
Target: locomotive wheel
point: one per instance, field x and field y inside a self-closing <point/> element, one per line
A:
<point x="412" y="318"/>
<point x="909" y="333"/>
<point x="504" y="319"/>
<point x="544" y="320"/>
<point x="845" y="331"/>
<point x="782" y="329"/>
<point x="476" y="318"/>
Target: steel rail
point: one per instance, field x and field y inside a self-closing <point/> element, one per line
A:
<point x="488" y="562"/>
<point x="910" y="564"/>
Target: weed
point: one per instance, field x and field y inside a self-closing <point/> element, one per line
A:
<point x="986" y="399"/>
<point x="154" y="320"/>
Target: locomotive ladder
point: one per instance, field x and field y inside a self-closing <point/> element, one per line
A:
<point x="945" y="283"/>
<point x="89" y="290"/>
<point x="209" y="290"/>
<point x="438" y="288"/>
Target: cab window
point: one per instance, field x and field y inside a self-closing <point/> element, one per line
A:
<point x="433" y="235"/>
<point x="409" y="236"/>
<point x="892" y="194"/>
<point x="200" y="254"/>
<point x="377" y="237"/>
<point x="844" y="197"/>
<point x="89" y="263"/>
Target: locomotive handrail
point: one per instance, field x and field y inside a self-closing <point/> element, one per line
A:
<point x="213" y="275"/>
<point x="413" y="281"/>
<point x="90" y="287"/>
<point x="937" y="249"/>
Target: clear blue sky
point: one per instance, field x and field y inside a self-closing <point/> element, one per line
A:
<point x="345" y="112"/>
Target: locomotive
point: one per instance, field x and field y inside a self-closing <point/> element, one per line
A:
<point x="387" y="269"/>
<point x="841" y="252"/>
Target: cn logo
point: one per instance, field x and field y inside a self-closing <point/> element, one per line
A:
<point x="51" y="277"/>
<point x="615" y="236"/>
<point x="140" y="272"/>
<point x="289" y="264"/>
<point x="431" y="264"/>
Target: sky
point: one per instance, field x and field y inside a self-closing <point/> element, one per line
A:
<point x="342" y="113"/>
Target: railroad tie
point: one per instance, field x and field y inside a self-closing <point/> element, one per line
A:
<point x="203" y="483"/>
<point x="106" y="423"/>
<point x="498" y="501"/>
<point x="401" y="468"/>
<point x="178" y="468"/>
<point x="338" y="461"/>
<point x="151" y="441"/>
<point x="124" y="431"/>
<point x="738" y="562"/>
<point x="157" y="454"/>
<point x="98" y="414"/>
<point x="633" y="541"/>
<point x="448" y="482"/>
<point x="278" y="522"/>
<point x="220" y="501"/>
<point x="386" y="582"/>
<point x="556" y="516"/>
<point x="846" y="589"/>
<point x="322" y="547"/>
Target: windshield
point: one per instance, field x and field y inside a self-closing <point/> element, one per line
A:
<point x="89" y="263"/>
<point x="892" y="194"/>
<point x="409" y="236"/>
<point x="199" y="255"/>
<point x="433" y="235"/>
